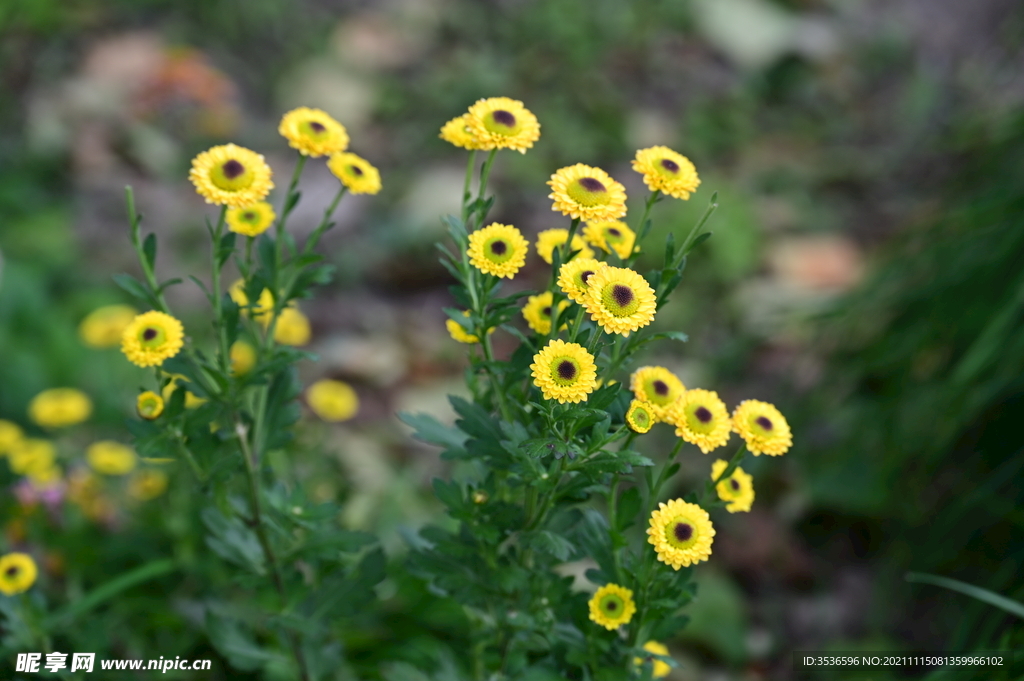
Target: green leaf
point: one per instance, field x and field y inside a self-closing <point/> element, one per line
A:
<point x="132" y="286"/>
<point x="238" y="646"/>
<point x="628" y="508"/>
<point x="545" y="446"/>
<point x="428" y="429"/>
<point x="633" y="458"/>
<point x="553" y="544"/>
<point x="108" y="590"/>
<point x="698" y="241"/>
<point x="149" y="250"/>
<point x="984" y="595"/>
<point x="402" y="671"/>
<point x="449" y="494"/>
<point x="233" y="541"/>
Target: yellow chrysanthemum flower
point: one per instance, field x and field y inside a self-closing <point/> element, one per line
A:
<point x="263" y="308"/>
<point x="667" y="171"/>
<point x="587" y="193"/>
<point x="550" y="239"/>
<point x="149" y="405"/>
<point x="612" y="606"/>
<point x="230" y="175"/>
<point x="620" y="300"/>
<point x="737" y="489"/>
<point x="763" y="427"/>
<point x="457" y="132"/>
<point x="355" y="172"/>
<point x="574" y="277"/>
<point x="681" y="533"/>
<point x="313" y="132"/>
<point x="17" y="573"/>
<point x="191" y="401"/>
<point x="498" y="249"/>
<point x="332" y="400"/>
<point x="460" y="334"/>
<point x="147" y="484"/>
<point x="564" y="371"/>
<point x="640" y="416"/>
<point x="661" y="669"/>
<point x="151" y="338"/>
<point x="292" y="327"/>
<point x="59" y="407"/>
<point x="243" y="357"/>
<point x="537" y="312"/>
<point x="111" y="458"/>
<point x="10" y="435"/>
<point x="502" y="123"/>
<point x="31" y="454"/>
<point x="700" y="418"/>
<point x="251" y="220"/>
<point x="45" y="477"/>
<point x="102" y="328"/>
<point x="611" y="235"/>
<point x="657" y="386"/>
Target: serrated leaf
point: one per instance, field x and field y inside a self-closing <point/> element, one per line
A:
<point x="553" y="544"/>
<point x="428" y="429"/>
<point x="633" y="458"/>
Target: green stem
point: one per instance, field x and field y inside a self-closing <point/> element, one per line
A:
<point x="253" y="477"/>
<point x="576" y="324"/>
<point x="222" y="332"/>
<point x="466" y="195"/>
<point x="485" y="173"/>
<point x="187" y="453"/>
<point x="567" y="246"/>
<point x="325" y="223"/>
<point x="641" y="228"/>
<point x="289" y="205"/>
<point x="734" y="462"/>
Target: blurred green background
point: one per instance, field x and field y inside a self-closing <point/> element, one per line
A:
<point x="865" y="272"/>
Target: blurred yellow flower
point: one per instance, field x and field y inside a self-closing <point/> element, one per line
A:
<point x="17" y="573"/>
<point x="111" y="458"/>
<point x="191" y="401"/>
<point x="457" y="132"/>
<point x="59" y="407"/>
<point x="549" y="239"/>
<point x="292" y="327"/>
<point x="251" y="220"/>
<point x="460" y="334"/>
<point x="737" y="489"/>
<point x="263" y="308"/>
<point x="45" y="476"/>
<point x="332" y="400"/>
<point x="31" y="454"/>
<point x="610" y="235"/>
<point x="661" y="669"/>
<point x="10" y="435"/>
<point x="147" y="484"/>
<point x="763" y="428"/>
<point x="104" y="326"/>
<point x="612" y="606"/>
<point x="537" y="312"/>
<point x="243" y="357"/>
<point x="149" y="405"/>
<point x="355" y="172"/>
<point x="700" y="418"/>
<point x="313" y="132"/>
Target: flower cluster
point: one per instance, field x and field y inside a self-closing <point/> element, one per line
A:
<point x="551" y="425"/>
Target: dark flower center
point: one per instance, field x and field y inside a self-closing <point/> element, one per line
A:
<point x="660" y="387"/>
<point x="316" y="126"/>
<point x="356" y="170"/>
<point x="249" y="216"/>
<point x="623" y="295"/>
<point x="566" y="370"/>
<point x="735" y="485"/>
<point x="702" y="414"/>
<point x="546" y="311"/>
<point x="764" y="422"/>
<point x="611" y="605"/>
<point x="12" y="571"/>
<point x="683" y="531"/>
<point x="585" y="275"/>
<point x="504" y="118"/>
<point x="499" y="247"/>
<point x="149" y="334"/>
<point x="232" y="169"/>
<point x="592" y="185"/>
<point x="614" y="232"/>
<point x="670" y="165"/>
